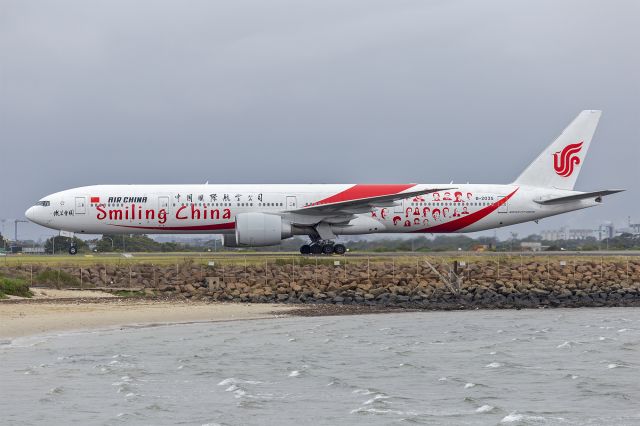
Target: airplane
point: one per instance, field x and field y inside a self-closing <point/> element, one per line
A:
<point x="265" y="214"/>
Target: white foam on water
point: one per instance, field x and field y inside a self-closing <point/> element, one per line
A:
<point x="234" y="381"/>
<point x="121" y="356"/>
<point x="469" y="385"/>
<point x="292" y="339"/>
<point x="375" y="398"/>
<point x="564" y="345"/>
<point x="364" y="410"/>
<point x="485" y="409"/>
<point x="493" y="365"/>
<point x="294" y="373"/>
<point x="615" y="365"/>
<point x="442" y="379"/>
<point x="517" y="417"/>
<point x="623" y="330"/>
<point x="363" y="391"/>
<point x="493" y="353"/>
<point x="55" y="391"/>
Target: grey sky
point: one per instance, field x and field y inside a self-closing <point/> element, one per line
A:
<point x="313" y="91"/>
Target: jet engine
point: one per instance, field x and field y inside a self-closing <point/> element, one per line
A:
<point x="260" y="229"/>
<point x="229" y="240"/>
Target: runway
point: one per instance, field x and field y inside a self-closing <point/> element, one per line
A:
<point x="276" y="254"/>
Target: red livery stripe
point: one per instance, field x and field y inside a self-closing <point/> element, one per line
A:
<point x="362" y="191"/>
<point x="215" y="227"/>
<point x="470" y="219"/>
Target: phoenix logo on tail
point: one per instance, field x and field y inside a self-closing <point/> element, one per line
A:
<point x="564" y="162"/>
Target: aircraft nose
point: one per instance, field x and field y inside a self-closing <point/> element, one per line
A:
<point x="31" y="213"/>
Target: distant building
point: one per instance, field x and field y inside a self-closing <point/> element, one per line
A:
<point x="564" y="234"/>
<point x="33" y="250"/>
<point x="555" y="235"/>
<point x="632" y="228"/>
<point x="530" y="246"/>
<point x="581" y="234"/>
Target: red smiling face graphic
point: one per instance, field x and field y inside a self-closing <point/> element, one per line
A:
<point x="564" y="161"/>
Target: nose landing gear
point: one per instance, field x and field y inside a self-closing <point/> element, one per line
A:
<point x="323" y="247"/>
<point x="73" y="249"/>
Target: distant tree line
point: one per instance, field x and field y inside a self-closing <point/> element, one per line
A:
<point x="142" y="243"/>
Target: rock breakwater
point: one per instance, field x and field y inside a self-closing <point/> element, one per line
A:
<point x="427" y="283"/>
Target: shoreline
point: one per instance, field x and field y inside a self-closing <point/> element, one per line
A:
<point x="21" y="317"/>
<point x="38" y="317"/>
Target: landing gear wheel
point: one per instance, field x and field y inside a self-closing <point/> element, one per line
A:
<point x="73" y="250"/>
<point x="316" y="249"/>
<point x="327" y="249"/>
<point x="305" y="249"/>
<point x="339" y="249"/>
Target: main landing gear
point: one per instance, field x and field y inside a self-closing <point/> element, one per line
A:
<point x="323" y="247"/>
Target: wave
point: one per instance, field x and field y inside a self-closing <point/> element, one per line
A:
<point x="234" y="381"/>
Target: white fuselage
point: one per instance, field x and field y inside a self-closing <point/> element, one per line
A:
<point x="211" y="209"/>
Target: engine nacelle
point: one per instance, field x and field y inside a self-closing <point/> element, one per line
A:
<point x="260" y="229"/>
<point x="229" y="240"/>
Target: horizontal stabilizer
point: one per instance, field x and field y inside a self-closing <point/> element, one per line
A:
<point x="578" y="197"/>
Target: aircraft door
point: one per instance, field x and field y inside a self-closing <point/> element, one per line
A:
<point x="163" y="203"/>
<point x="503" y="208"/>
<point x="399" y="206"/>
<point x="292" y="203"/>
<point x="81" y="205"/>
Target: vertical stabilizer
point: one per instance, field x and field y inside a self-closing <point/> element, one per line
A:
<point x="559" y="165"/>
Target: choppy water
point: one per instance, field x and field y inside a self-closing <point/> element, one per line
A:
<point x="476" y="367"/>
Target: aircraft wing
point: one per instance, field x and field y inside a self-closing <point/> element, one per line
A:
<point x="577" y="197"/>
<point x="361" y="205"/>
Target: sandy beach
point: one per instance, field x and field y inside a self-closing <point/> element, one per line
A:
<point x="29" y="318"/>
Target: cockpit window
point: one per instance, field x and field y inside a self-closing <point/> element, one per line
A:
<point x="43" y="203"/>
